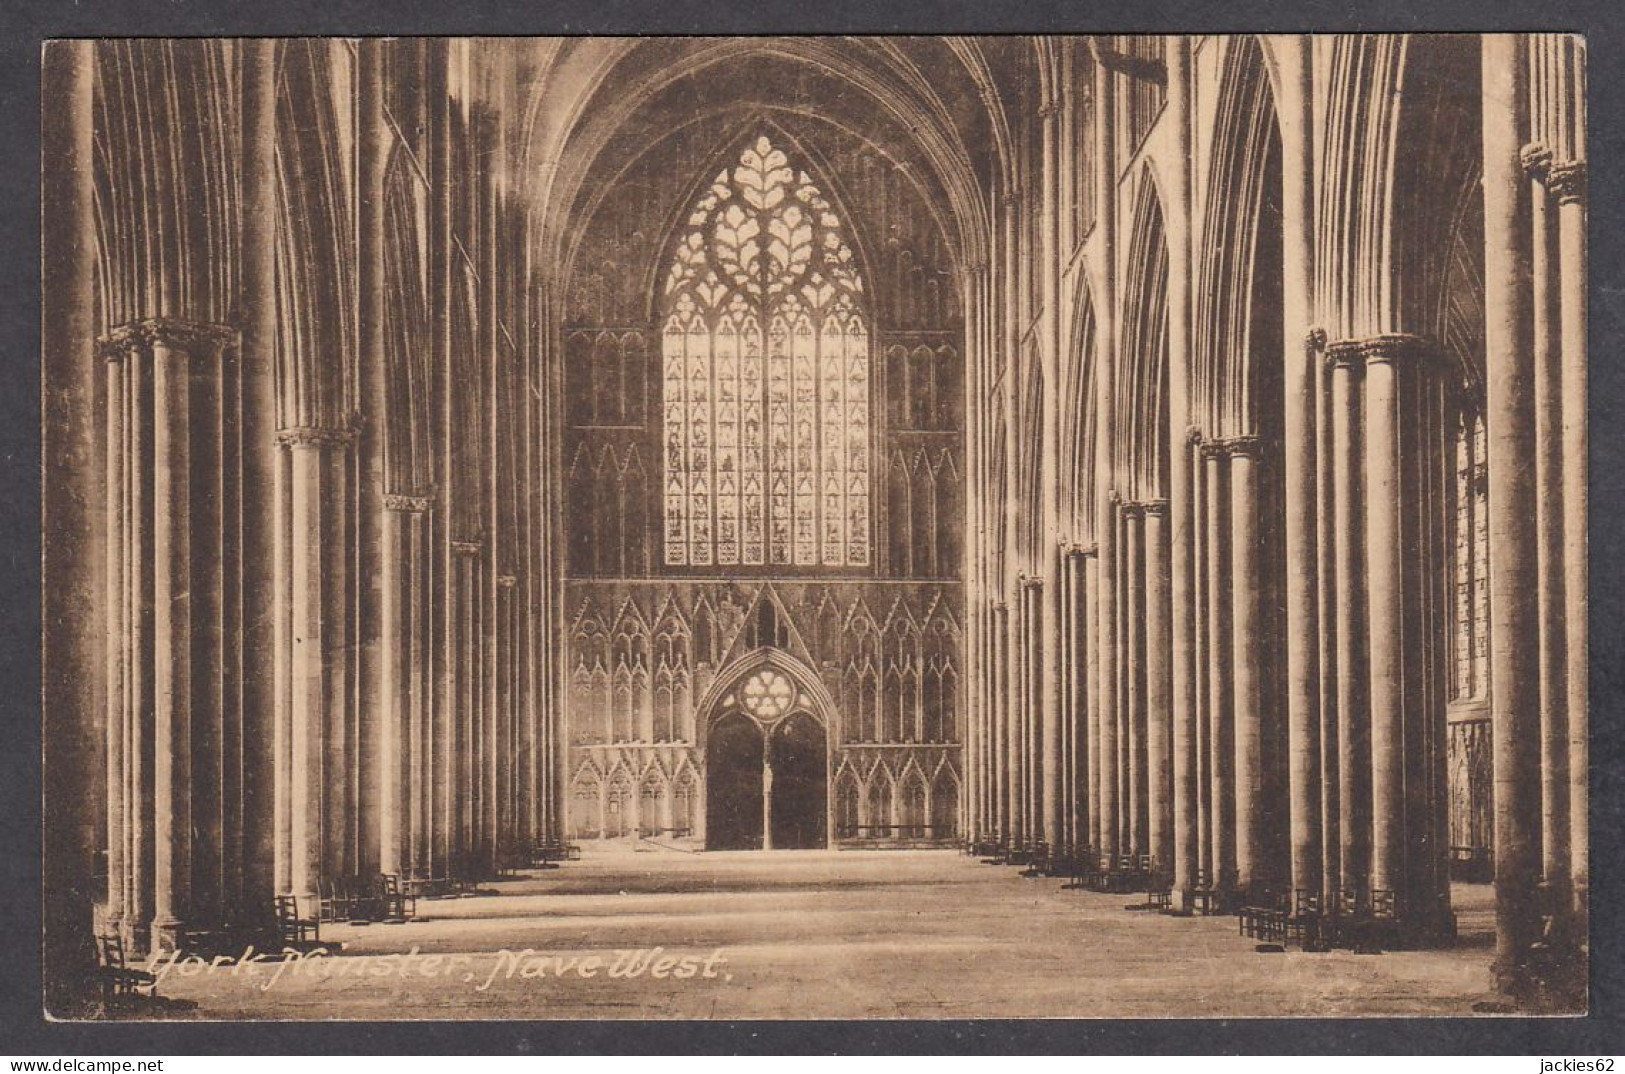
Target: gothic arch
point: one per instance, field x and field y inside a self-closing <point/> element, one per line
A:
<point x="729" y="679"/>
<point x="1142" y="383"/>
<point x="1238" y="331"/>
<point x="1078" y="447"/>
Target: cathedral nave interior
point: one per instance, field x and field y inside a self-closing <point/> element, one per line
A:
<point x="1080" y="453"/>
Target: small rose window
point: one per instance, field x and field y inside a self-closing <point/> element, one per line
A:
<point x="768" y="695"/>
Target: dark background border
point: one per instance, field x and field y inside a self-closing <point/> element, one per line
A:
<point x="24" y="24"/>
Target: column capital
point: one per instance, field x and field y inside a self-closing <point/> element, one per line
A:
<point x="1211" y="449"/>
<point x="1154" y="508"/>
<point x="1315" y="339"/>
<point x="1344" y="353"/>
<point x="312" y="436"/>
<point x="1567" y="180"/>
<point x="1394" y="347"/>
<point x="412" y="502"/>
<point x="1193" y="436"/>
<point x="467" y="547"/>
<point x="1249" y="446"/>
<point x="190" y="336"/>
<point x="507" y="581"/>
<point x="1536" y="160"/>
<point x="1049" y="109"/>
<point x="1032" y="581"/>
<point x="1009" y="198"/>
<point x="1133" y="509"/>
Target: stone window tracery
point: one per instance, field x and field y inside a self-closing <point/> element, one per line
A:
<point x="766" y="365"/>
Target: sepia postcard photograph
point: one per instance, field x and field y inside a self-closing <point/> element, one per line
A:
<point x="814" y="527"/>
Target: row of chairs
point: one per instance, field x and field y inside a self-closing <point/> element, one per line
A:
<point x="1356" y="920"/>
<point x="549" y="852"/>
<point x="366" y="898"/>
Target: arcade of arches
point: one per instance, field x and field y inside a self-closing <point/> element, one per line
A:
<point x="1164" y="448"/>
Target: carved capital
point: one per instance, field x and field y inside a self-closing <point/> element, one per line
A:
<point x="1089" y="551"/>
<point x="394" y="501"/>
<point x="312" y="436"/>
<point x="1344" y="353"/>
<point x="507" y="581"/>
<point x="1536" y="160"/>
<point x="195" y="338"/>
<point x="1315" y="339"/>
<point x="1133" y="509"/>
<point x="1154" y="508"/>
<point x="467" y="548"/>
<point x="1394" y="347"/>
<point x="1567" y="181"/>
<point x="1249" y="446"/>
<point x="1049" y="109"/>
<point x="1193" y="436"/>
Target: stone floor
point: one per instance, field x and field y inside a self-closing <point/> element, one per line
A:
<point x="660" y="933"/>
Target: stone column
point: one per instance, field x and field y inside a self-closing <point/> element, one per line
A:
<point x="399" y="739"/>
<point x="309" y="500"/>
<point x="1202" y="747"/>
<point x="1178" y="811"/>
<point x="1091" y="670"/>
<point x="1385" y="607"/>
<point x="1567" y="181"/>
<point x="1106" y="590"/>
<point x="1003" y="768"/>
<point x="1550" y="508"/>
<point x="172" y="628"/>
<point x="1509" y="422"/>
<point x="261" y="463"/>
<point x="165" y="707"/>
<point x="1158" y="692"/>
<point x="1246" y="597"/>
<point x="1134" y="625"/>
<point x="1295" y="113"/>
<point x="117" y="618"/>
<point x="1220" y="669"/>
<point x="1046" y="624"/>
<point x="72" y="517"/>
<point x="378" y="529"/>
<point x="1327" y="525"/>
<point x="1354" y="743"/>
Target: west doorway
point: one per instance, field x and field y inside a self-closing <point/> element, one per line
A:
<point x="767" y="767"/>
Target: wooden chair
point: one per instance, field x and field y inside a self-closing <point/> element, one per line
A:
<point x="1263" y="914"/>
<point x="118" y="980"/>
<point x="292" y="929"/>
<point x="1343" y="922"/>
<point x="1038" y="860"/>
<point x="1204" y="896"/>
<point x="1159" y="893"/>
<point x="1303" y="923"/>
<point x="398" y="905"/>
<point x="1381" y="925"/>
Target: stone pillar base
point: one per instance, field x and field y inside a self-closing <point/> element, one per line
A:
<point x="168" y="935"/>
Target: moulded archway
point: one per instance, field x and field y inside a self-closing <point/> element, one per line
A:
<point x="767" y="756"/>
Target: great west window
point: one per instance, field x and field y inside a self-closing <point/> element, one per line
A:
<point x="766" y="364"/>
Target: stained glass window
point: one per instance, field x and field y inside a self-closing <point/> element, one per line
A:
<point x="1472" y="579"/>
<point x="765" y="350"/>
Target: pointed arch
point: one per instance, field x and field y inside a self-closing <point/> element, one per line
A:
<point x="1142" y="385"/>
<point x="1239" y="332"/>
<point x="1078" y="462"/>
<point x="766" y="356"/>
